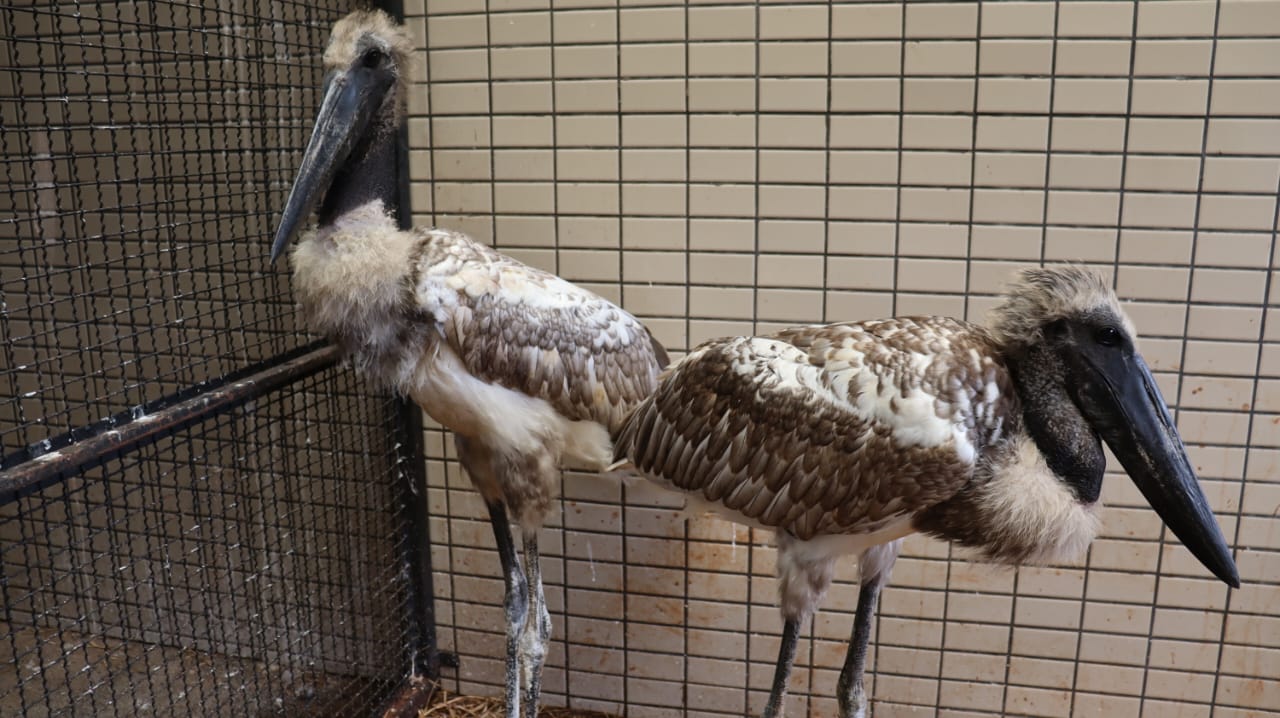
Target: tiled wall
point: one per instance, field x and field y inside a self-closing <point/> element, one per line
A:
<point x="725" y="168"/>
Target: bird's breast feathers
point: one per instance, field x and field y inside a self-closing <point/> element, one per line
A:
<point x="350" y="281"/>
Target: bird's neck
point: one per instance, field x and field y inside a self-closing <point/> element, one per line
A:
<point x="370" y="174"/>
<point x="1069" y="444"/>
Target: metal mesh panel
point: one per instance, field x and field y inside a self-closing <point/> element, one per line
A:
<point x="146" y="147"/>
<point x="249" y="565"/>
<point x="252" y="563"/>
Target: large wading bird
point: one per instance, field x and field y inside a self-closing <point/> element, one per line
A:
<point x="529" y="371"/>
<point x="844" y="438"/>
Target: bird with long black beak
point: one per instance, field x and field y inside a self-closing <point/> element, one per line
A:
<point x="845" y="438"/>
<point x="530" y="372"/>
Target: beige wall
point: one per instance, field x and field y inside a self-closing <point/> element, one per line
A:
<point x="727" y="168"/>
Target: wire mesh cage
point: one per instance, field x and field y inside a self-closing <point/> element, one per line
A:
<point x="247" y="565"/>
<point x="244" y="547"/>
<point x="146" y="145"/>
<point x="718" y="168"/>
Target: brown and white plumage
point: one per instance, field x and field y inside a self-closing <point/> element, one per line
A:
<point x="530" y="372"/>
<point x="845" y="429"/>
<point x="836" y="429"/>
<point x="846" y="437"/>
<point x="513" y="358"/>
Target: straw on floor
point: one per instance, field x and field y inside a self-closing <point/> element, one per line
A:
<point x="445" y="704"/>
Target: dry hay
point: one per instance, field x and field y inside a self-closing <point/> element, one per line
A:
<point x="452" y="705"/>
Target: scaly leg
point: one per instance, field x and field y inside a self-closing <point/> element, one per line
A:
<point x="803" y="578"/>
<point x="782" y="672"/>
<point x="537" y="633"/>
<point x="875" y="566"/>
<point x="515" y="602"/>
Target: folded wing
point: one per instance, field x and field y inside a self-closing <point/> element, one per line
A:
<point x="828" y="429"/>
<point x="535" y="333"/>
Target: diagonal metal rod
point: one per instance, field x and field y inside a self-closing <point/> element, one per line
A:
<point x="49" y="468"/>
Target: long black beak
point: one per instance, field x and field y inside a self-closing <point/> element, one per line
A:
<point x="351" y="101"/>
<point x="1144" y="438"/>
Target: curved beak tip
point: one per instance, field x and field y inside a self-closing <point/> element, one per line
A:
<point x="285" y="230"/>
<point x="277" y="249"/>
<point x="1230" y="575"/>
<point x="1217" y="558"/>
<point x="1203" y="537"/>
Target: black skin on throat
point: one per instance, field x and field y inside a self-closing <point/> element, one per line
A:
<point x="367" y="175"/>
<point x="1069" y="444"/>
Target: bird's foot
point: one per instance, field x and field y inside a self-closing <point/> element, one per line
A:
<point x="516" y="609"/>
<point x="533" y="655"/>
<point x="854" y="703"/>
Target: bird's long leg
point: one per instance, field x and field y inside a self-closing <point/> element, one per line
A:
<point x="515" y="602"/>
<point x="782" y="671"/>
<point x="803" y="578"/>
<point x="875" y="564"/>
<point x="537" y="633"/>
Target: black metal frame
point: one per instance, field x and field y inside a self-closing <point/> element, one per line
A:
<point x="427" y="659"/>
<point x="413" y="470"/>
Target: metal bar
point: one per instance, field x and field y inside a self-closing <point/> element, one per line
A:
<point x="410" y="458"/>
<point x="417" y="538"/>
<point x="81" y="433"/>
<point x="49" y="468"/>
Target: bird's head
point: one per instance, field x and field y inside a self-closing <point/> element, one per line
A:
<point x="366" y="75"/>
<point x="1070" y="320"/>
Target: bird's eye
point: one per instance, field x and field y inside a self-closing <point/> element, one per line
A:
<point x="1107" y="336"/>
<point x="372" y="58"/>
